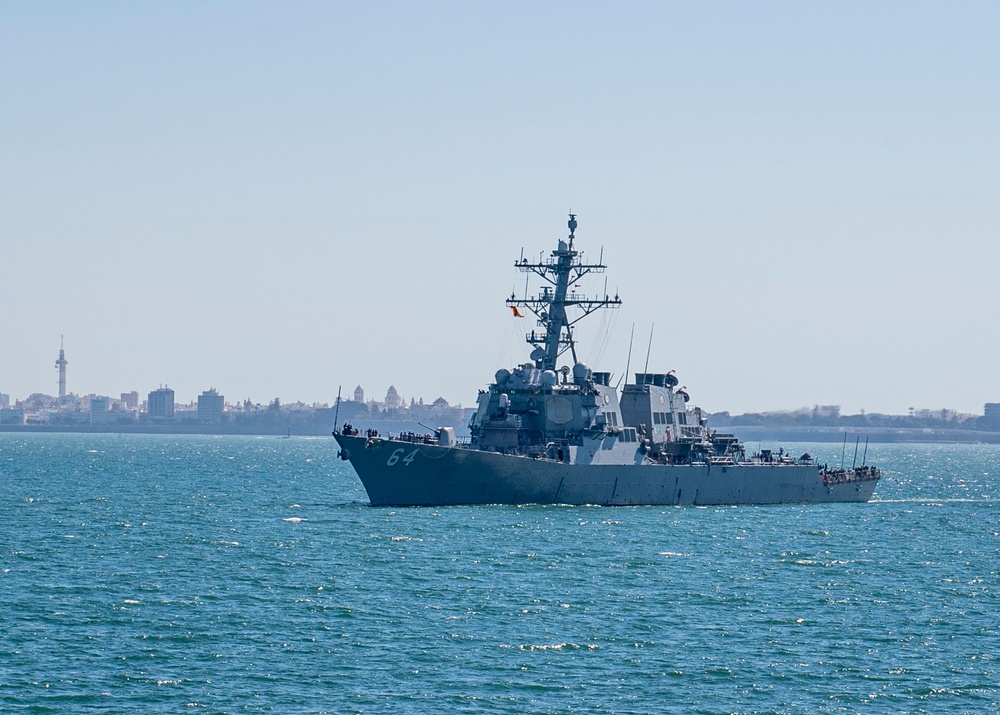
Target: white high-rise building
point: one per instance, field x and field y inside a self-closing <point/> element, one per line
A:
<point x="160" y="403"/>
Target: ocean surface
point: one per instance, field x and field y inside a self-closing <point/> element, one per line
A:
<point x="161" y="574"/>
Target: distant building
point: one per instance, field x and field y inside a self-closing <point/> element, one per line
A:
<point x="392" y="398"/>
<point x="100" y="408"/>
<point x="991" y="414"/>
<point x="131" y="399"/>
<point x="11" y="416"/>
<point x="359" y="395"/>
<point x="186" y="415"/>
<point x="4" y="400"/>
<point x="160" y="403"/>
<point x="210" y="404"/>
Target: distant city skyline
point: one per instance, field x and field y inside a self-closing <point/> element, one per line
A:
<point x="280" y="199"/>
<point x="394" y="399"/>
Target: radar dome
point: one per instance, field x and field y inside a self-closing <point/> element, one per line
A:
<point x="503" y="374"/>
<point x="549" y="378"/>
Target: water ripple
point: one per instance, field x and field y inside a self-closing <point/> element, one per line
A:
<point x="154" y="573"/>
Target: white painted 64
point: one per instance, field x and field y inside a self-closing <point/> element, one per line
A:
<point x="394" y="457"/>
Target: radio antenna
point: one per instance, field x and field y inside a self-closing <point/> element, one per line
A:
<point x="629" y="361"/>
<point x="649" y="347"/>
<point x="336" y="412"/>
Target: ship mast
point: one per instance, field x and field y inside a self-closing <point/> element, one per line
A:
<point x="564" y="268"/>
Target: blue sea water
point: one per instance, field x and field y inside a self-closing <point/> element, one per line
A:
<point x="152" y="574"/>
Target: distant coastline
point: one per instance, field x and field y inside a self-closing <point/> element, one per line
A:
<point x="883" y="435"/>
<point x="308" y="429"/>
<point x="748" y="433"/>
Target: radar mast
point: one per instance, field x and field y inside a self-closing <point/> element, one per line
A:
<point x="563" y="268"/>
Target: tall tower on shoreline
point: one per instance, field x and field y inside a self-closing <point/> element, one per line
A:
<point x="61" y="363"/>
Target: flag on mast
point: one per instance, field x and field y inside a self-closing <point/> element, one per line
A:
<point x="515" y="311"/>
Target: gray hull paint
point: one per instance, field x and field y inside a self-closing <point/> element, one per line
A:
<point x="405" y="474"/>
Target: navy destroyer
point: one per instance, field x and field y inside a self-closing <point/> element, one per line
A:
<point x="554" y="431"/>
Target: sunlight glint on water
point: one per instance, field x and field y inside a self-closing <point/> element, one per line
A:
<point x="150" y="573"/>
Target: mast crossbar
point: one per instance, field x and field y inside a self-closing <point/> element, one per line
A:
<point x="549" y="306"/>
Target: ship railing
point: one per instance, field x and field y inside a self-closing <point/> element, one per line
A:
<point x="846" y="476"/>
<point x="571" y="297"/>
<point x="417" y="438"/>
<point x="721" y="460"/>
<point x="524" y="265"/>
<point x="414" y="438"/>
<point x="774" y="460"/>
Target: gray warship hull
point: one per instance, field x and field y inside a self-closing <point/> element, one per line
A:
<point x="398" y="473"/>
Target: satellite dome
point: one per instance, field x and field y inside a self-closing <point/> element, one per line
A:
<point x="503" y="374"/>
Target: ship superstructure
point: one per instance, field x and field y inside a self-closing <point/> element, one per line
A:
<point x="550" y="433"/>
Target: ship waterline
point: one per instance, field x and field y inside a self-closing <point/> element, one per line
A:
<point x="401" y="473"/>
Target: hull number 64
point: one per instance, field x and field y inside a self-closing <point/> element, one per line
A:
<point x="395" y="457"/>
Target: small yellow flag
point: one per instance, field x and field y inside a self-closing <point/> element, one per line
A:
<point x="515" y="311"/>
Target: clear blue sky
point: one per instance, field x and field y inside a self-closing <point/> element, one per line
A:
<point x="277" y="198"/>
